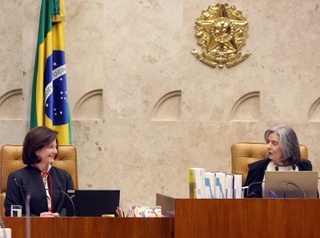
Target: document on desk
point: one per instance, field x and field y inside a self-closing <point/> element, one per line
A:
<point x="145" y="211"/>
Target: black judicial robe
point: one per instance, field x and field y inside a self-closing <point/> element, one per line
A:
<point x="256" y="174"/>
<point x="28" y="180"/>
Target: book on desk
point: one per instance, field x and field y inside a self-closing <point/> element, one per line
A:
<point x="214" y="184"/>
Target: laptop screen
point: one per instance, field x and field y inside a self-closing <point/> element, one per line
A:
<point x="93" y="202"/>
<point x="291" y="184"/>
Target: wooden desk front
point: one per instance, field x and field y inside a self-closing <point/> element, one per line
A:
<point x="194" y="218"/>
<point x="239" y="218"/>
<point x="83" y="227"/>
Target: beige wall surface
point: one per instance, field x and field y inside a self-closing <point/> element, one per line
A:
<point x="144" y="109"/>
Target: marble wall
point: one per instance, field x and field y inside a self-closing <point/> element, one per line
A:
<point x="144" y="109"/>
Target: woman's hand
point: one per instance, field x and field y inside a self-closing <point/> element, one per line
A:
<point x="49" y="214"/>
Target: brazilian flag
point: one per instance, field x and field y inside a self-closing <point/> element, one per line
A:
<point x="49" y="102"/>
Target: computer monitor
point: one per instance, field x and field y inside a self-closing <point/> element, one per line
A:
<point x="93" y="202"/>
<point x="291" y="184"/>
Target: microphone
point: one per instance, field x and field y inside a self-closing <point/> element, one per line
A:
<point x="53" y="190"/>
<point x="294" y="184"/>
<point x="251" y="184"/>
<point x="272" y="194"/>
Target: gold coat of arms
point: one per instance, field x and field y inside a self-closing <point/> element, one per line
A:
<point x="222" y="32"/>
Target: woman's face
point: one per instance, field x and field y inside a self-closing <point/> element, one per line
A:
<point x="47" y="153"/>
<point x="274" y="150"/>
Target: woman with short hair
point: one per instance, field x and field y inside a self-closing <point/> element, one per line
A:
<point x="45" y="184"/>
<point x="283" y="154"/>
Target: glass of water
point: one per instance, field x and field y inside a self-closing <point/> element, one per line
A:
<point x="16" y="210"/>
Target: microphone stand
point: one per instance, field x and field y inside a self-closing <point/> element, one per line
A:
<point x="251" y="184"/>
<point x="28" y="226"/>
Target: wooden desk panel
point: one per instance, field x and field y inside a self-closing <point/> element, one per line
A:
<point x="82" y="227"/>
<point x="247" y="218"/>
<point x="194" y="218"/>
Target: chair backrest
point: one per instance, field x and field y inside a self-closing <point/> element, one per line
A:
<point x="11" y="160"/>
<point x="244" y="153"/>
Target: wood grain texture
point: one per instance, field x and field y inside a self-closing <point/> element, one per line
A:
<point x="76" y="227"/>
<point x="247" y="218"/>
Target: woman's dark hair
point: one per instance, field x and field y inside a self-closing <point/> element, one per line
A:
<point x="288" y="142"/>
<point x="36" y="139"/>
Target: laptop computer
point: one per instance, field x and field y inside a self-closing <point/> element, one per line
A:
<point x="93" y="202"/>
<point x="291" y="184"/>
<point x="167" y="204"/>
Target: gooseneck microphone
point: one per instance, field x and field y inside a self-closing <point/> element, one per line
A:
<point x="295" y="185"/>
<point x="250" y="185"/>
<point x="28" y="226"/>
<point x="53" y="190"/>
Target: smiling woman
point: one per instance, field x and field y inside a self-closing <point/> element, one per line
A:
<point x="44" y="184"/>
<point x="283" y="155"/>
